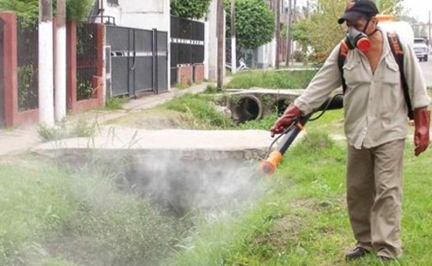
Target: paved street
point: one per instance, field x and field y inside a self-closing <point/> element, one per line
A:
<point x="427" y="71"/>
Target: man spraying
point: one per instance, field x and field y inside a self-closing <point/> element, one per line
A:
<point x="382" y="83"/>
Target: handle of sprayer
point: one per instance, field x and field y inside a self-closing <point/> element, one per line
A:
<point x="269" y="165"/>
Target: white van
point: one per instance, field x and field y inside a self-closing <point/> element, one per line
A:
<point x="421" y="48"/>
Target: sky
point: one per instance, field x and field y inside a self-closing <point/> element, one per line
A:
<point x="419" y="8"/>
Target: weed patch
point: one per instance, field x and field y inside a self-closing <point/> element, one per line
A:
<point x="272" y="79"/>
<point x="116" y="103"/>
<point x="78" y="129"/>
<point x="202" y="112"/>
<point x="51" y="217"/>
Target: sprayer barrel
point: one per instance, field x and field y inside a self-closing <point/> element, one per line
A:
<point x="269" y="165"/>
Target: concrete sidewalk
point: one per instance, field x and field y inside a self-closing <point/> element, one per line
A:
<point x="14" y="141"/>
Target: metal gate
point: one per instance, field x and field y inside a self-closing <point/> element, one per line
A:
<point x="2" y="91"/>
<point x="187" y="44"/>
<point x="139" y="60"/>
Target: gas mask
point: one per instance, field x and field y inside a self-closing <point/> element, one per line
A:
<point x="357" y="39"/>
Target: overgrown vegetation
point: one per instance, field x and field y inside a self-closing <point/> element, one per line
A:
<point x="78" y="9"/>
<point x="55" y="217"/>
<point x="190" y="8"/>
<point x="65" y="129"/>
<point x="272" y="79"/>
<point x="200" y="110"/>
<point x="29" y="9"/>
<point x="319" y="29"/>
<point x="254" y="23"/>
<point x="116" y="103"/>
<point x="207" y="111"/>
<point x="302" y="219"/>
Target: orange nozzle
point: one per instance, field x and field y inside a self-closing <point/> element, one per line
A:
<point x="269" y="165"/>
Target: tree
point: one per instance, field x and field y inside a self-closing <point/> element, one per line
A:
<point x="78" y="9"/>
<point x="321" y="31"/>
<point x="254" y="23"/>
<point x="190" y="8"/>
<point x="391" y="7"/>
<point x="25" y="8"/>
<point x="29" y="9"/>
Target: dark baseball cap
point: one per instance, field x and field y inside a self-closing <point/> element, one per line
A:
<point x="358" y="9"/>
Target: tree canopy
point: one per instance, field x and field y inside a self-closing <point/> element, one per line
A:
<point x="76" y="9"/>
<point x="190" y="8"/>
<point x="319" y="29"/>
<point x="254" y="23"/>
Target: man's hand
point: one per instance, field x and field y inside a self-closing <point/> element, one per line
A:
<point x="285" y="120"/>
<point x="421" y="133"/>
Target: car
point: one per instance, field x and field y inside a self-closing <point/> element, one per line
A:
<point x="421" y="48"/>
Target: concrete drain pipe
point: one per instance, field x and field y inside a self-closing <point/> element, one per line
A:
<point x="247" y="108"/>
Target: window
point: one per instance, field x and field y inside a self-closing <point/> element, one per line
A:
<point x="114" y="2"/>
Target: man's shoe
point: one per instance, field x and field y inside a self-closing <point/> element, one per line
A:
<point x="357" y="253"/>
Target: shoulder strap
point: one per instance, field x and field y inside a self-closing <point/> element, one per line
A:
<point x="396" y="48"/>
<point x="343" y="51"/>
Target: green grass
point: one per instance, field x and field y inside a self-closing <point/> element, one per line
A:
<point x="200" y="111"/>
<point x="116" y="103"/>
<point x="271" y="79"/>
<point x="52" y="217"/>
<point x="182" y="86"/>
<point x="190" y="111"/>
<point x="302" y="219"/>
<point x="76" y="129"/>
<point x="265" y="123"/>
<point x="298" y="216"/>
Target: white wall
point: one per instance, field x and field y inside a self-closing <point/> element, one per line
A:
<point x="212" y="47"/>
<point x="143" y="14"/>
<point x="147" y="14"/>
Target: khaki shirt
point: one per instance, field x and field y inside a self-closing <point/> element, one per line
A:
<point x="374" y="105"/>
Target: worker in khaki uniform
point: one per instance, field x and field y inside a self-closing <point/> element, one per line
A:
<point x="375" y="113"/>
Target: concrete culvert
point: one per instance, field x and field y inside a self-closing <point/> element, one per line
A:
<point x="247" y="108"/>
<point x="281" y="105"/>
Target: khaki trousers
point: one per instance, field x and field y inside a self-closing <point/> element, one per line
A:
<point x="374" y="196"/>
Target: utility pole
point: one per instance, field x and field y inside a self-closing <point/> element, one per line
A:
<point x="60" y="62"/>
<point x="288" y="39"/>
<point x="278" y="39"/>
<point x="429" y="27"/>
<point x="233" y="39"/>
<point x="220" y="47"/>
<point x="46" y="90"/>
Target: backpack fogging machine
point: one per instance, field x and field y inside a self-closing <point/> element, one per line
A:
<point x="268" y="166"/>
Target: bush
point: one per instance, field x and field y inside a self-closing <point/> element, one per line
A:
<point x="75" y="9"/>
<point x="190" y="8"/>
<point x="299" y="56"/>
<point x="254" y="23"/>
<point x="201" y="111"/>
<point x="116" y="103"/>
<point x="272" y="79"/>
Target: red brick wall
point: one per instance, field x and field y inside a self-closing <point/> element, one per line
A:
<point x="73" y="104"/>
<point x="10" y="65"/>
<point x="198" y="73"/>
<point x="184" y="74"/>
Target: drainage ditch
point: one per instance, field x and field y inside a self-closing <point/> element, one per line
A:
<point x="181" y="182"/>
